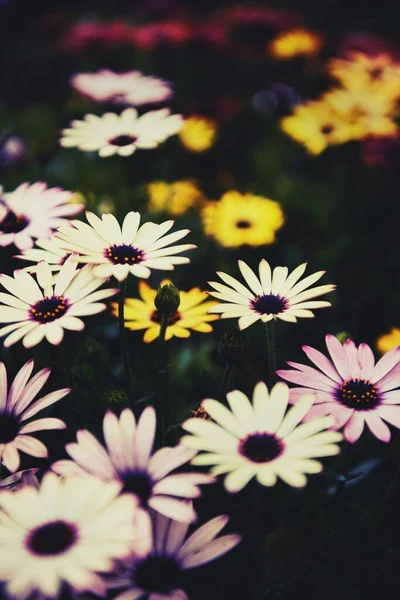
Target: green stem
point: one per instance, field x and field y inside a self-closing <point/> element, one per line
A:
<point x="122" y="334"/>
<point x="270" y="333"/>
<point x="162" y="381"/>
<point x="223" y="387"/>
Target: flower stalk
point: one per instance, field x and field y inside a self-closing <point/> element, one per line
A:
<point x="122" y="334"/>
<point x="270" y="335"/>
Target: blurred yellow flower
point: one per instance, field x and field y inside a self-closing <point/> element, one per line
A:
<point x="239" y="219"/>
<point x="388" y="341"/>
<point x="366" y="111"/>
<point x="296" y="42"/>
<point x="192" y="313"/>
<point x="77" y="198"/>
<point x="361" y="71"/>
<point x="316" y="125"/>
<point x="174" y="198"/>
<point x="198" y="133"/>
<point x="106" y="205"/>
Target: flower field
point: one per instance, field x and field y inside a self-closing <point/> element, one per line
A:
<point x="199" y="330"/>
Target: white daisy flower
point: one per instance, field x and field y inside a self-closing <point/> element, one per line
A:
<point x="33" y="211"/>
<point x="121" y="134"/>
<point x="17" y="406"/>
<point x="34" y="310"/>
<point x="128" y="460"/>
<point x="158" y="575"/>
<point x="260" y="440"/>
<point x="63" y="534"/>
<point x="47" y="249"/>
<point x="272" y="295"/>
<point x="118" y="251"/>
<point x="131" y="87"/>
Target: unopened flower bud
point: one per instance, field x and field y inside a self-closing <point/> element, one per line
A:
<point x="115" y="396"/>
<point x="167" y="299"/>
<point x="233" y="346"/>
<point x="342" y="336"/>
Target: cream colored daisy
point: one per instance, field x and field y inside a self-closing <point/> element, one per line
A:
<point x="260" y="439"/>
<point x="44" y="306"/>
<point x="68" y="532"/>
<point x="121" y="134"/>
<point x="273" y="295"/>
<point x="118" y="251"/>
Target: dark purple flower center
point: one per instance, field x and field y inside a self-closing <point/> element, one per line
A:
<point x="376" y="72"/>
<point x="358" y="394"/>
<point x="9" y="427"/>
<point x="172" y="319"/>
<point x="52" y="539"/>
<point x="124" y="254"/>
<point x="158" y="574"/>
<point x="270" y="304"/>
<point x="49" y="309"/>
<point x="327" y="129"/>
<point x="122" y="140"/>
<point x="243" y="224"/>
<point x="13" y="223"/>
<point x="140" y="484"/>
<point x="261" y="447"/>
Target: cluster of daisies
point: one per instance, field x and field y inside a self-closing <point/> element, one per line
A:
<point x="113" y="518"/>
<point x="115" y="514"/>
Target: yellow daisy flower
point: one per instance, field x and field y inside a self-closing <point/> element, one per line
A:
<point x="239" y="219"/>
<point x="388" y="341"/>
<point x="366" y="111"/>
<point x="363" y="71"/>
<point x="174" y="198"/>
<point x="316" y="125"/>
<point x="192" y="313"/>
<point x="198" y="133"/>
<point x="297" y="42"/>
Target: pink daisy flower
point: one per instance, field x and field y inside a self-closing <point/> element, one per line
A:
<point x="17" y="407"/>
<point x="131" y="88"/>
<point x="350" y="387"/>
<point x="33" y="211"/>
<point x="127" y="459"/>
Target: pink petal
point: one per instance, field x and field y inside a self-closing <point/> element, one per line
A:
<point x="19" y="384"/>
<point x="366" y="359"/>
<point x="167" y="459"/>
<point x="67" y="468"/>
<point x="308" y="381"/>
<point x="391" y="380"/>
<point x="354" y="427"/>
<point x="174" y="509"/>
<point x="390" y="414"/>
<point x="392" y="397"/>
<point x="340" y="413"/>
<point x="11" y="457"/>
<point x="314" y="373"/>
<point x="338" y="355"/>
<point x="42" y="424"/>
<point x="203" y="535"/>
<point x="352" y="358"/>
<point x="31" y="446"/>
<point x="44" y="403"/>
<point x="32" y="389"/>
<point x="145" y="433"/>
<point x="3" y="386"/>
<point x="377" y="427"/>
<point x="211" y="551"/>
<point x="385" y="364"/>
<point x="323" y="363"/>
